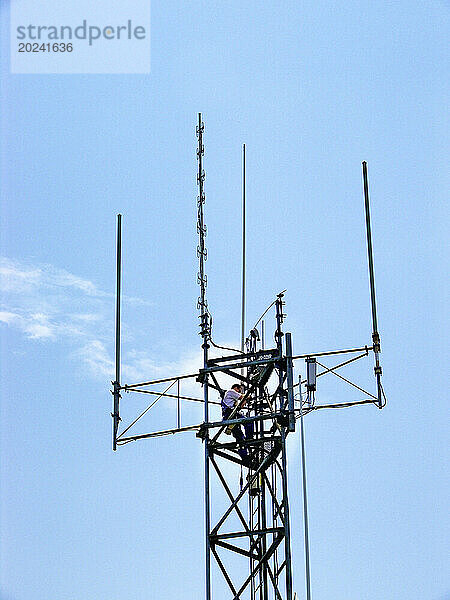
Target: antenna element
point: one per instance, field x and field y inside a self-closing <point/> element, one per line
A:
<point x="375" y="334"/>
<point x="116" y="383"/>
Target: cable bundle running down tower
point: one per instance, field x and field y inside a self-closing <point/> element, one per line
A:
<point x="247" y="522"/>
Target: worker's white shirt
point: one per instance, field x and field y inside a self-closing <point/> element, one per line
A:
<point x="230" y="398"/>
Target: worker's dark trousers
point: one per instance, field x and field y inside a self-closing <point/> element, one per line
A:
<point x="237" y="429"/>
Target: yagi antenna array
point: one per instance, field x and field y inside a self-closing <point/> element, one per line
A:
<point x="254" y="528"/>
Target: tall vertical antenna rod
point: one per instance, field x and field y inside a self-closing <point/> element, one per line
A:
<point x="205" y="332"/>
<point x="116" y="383"/>
<point x="243" y="250"/>
<point x="202" y="303"/>
<point x="375" y="334"/>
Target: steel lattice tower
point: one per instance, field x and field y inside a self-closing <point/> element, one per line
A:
<point x="247" y="520"/>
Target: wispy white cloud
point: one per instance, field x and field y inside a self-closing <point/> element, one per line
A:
<point x="137" y="367"/>
<point x="95" y="356"/>
<point x="18" y="277"/>
<point x="34" y="325"/>
<point x="44" y="300"/>
<point x="44" y="283"/>
<point x="8" y="317"/>
<point x="86" y="317"/>
<point x="48" y="304"/>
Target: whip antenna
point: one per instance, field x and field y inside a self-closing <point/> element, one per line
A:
<point x="243" y="251"/>
<point x="375" y="334"/>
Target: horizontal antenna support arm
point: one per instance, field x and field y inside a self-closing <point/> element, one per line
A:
<point x="155" y="381"/>
<point x="172" y="396"/>
<point x="197" y="427"/>
<point x="342" y="404"/>
<point x="157" y="434"/>
<point x="339" y="366"/>
<point x="331" y="352"/>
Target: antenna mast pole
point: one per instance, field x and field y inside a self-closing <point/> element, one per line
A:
<point x="205" y="332"/>
<point x="375" y="334"/>
<point x="243" y="250"/>
<point x="116" y="383"/>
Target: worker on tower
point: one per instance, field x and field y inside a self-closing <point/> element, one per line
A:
<point x="231" y="399"/>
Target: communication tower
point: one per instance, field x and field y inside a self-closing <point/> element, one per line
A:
<point x="247" y="522"/>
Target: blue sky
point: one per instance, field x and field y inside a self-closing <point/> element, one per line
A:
<point x="312" y="88"/>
